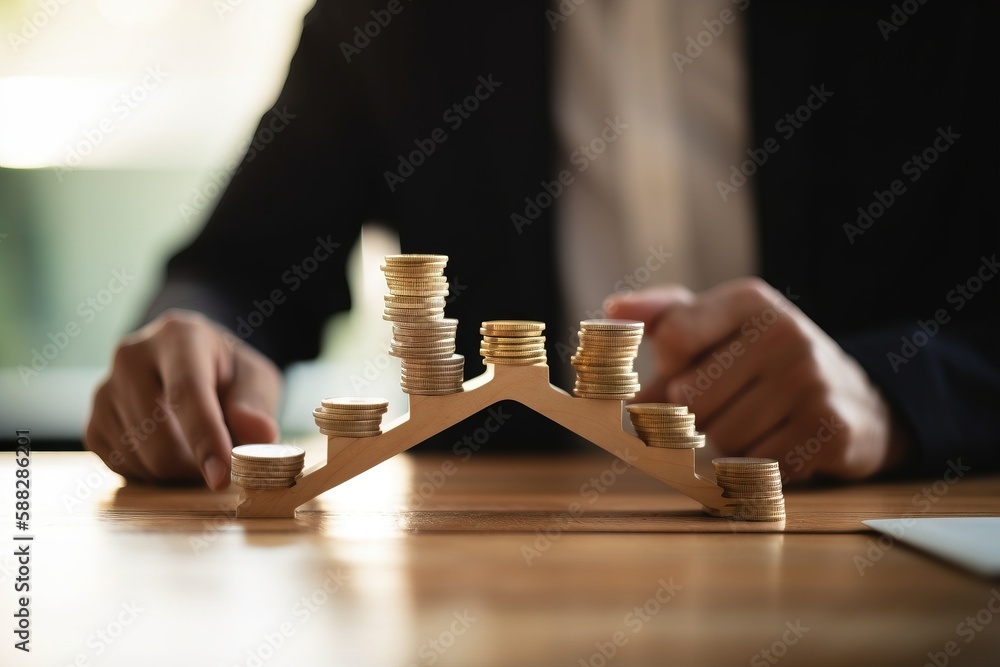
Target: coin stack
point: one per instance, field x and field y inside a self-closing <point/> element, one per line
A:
<point x="665" y="425"/>
<point x="351" y="417"/>
<point x="513" y="342"/>
<point x="755" y="485"/>
<point x="604" y="359"/>
<point x="421" y="336"/>
<point x="266" y="466"/>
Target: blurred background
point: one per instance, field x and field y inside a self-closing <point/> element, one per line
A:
<point x="120" y="122"/>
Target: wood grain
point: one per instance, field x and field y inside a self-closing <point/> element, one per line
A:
<point x="375" y="571"/>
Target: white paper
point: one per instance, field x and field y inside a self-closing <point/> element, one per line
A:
<point x="972" y="542"/>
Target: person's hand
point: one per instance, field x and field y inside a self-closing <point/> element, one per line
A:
<point x="764" y="380"/>
<point x="181" y="391"/>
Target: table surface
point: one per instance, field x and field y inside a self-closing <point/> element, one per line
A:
<point x="435" y="560"/>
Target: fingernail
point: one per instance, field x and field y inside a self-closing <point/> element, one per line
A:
<point x="215" y="473"/>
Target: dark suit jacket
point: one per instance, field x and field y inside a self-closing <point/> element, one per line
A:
<point x="909" y="111"/>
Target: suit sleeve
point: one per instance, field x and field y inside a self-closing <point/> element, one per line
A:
<point x="270" y="262"/>
<point x="944" y="386"/>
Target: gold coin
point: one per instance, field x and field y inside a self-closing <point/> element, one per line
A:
<point x="267" y="471"/>
<point x="607" y="374"/>
<point x="348" y="415"/>
<point x="432" y="392"/>
<point x="273" y="453"/>
<point x="428" y="327"/>
<point x="414" y="274"/>
<point x="327" y="413"/>
<point x="604" y="338"/>
<point x="443" y="354"/>
<point x="605" y="358"/>
<point x="528" y="352"/>
<point x="618" y="368"/>
<point x="513" y="328"/>
<point x="350" y="426"/>
<point x="454" y="361"/>
<point x="603" y="396"/>
<point x="349" y="434"/>
<point x="421" y="338"/>
<point x="397" y="301"/>
<point x="657" y="409"/>
<point x="415" y="258"/>
<point x="508" y="340"/>
<point x="612" y="325"/>
<point x="355" y="403"/>
<point x="691" y="442"/>
<point x="510" y="361"/>
<point x="766" y="494"/>
<point x="744" y="461"/>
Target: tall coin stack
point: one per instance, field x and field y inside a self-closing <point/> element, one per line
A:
<point x="665" y="425"/>
<point x="351" y="417"/>
<point x="266" y="466"/>
<point x="755" y="485"/>
<point x="421" y="336"/>
<point x="513" y="342"/>
<point x="604" y="359"/>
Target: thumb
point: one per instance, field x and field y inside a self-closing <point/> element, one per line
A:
<point x="250" y="401"/>
<point x="647" y="305"/>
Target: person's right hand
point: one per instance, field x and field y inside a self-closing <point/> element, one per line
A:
<point x="181" y="391"/>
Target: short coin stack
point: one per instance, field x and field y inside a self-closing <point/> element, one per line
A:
<point x="604" y="359"/>
<point x="421" y="336"/>
<point x="755" y="485"/>
<point x="665" y="425"/>
<point x="266" y="466"/>
<point x="513" y="342"/>
<point x="351" y="416"/>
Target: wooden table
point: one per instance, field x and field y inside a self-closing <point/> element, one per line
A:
<point x="434" y="560"/>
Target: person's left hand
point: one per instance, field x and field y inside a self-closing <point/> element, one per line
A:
<point x="764" y="380"/>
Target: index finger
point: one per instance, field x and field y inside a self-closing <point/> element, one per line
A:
<point x="190" y="372"/>
<point x="738" y="307"/>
